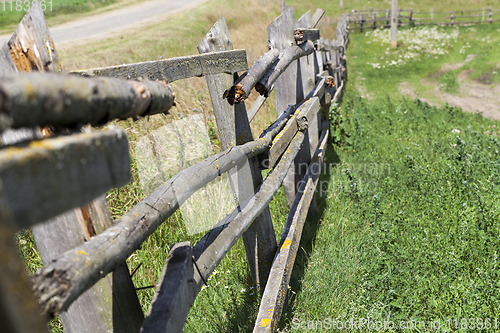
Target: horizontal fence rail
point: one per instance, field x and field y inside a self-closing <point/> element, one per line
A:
<point x="371" y="19"/>
<point x="64" y="170"/>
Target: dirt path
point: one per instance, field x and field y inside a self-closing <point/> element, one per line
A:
<point x="473" y="96"/>
<point x="111" y="23"/>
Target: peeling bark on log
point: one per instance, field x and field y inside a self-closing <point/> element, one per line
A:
<point x="244" y="85"/>
<point x="173" y="69"/>
<point x="45" y="178"/>
<point x="286" y="58"/>
<point x="59" y="283"/>
<point x="234" y="128"/>
<point x="31" y="46"/>
<point x="274" y="296"/>
<point x="32" y="99"/>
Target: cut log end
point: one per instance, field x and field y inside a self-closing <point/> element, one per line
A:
<point x="330" y="82"/>
<point x="235" y="94"/>
<point x="299" y="35"/>
<point x="52" y="292"/>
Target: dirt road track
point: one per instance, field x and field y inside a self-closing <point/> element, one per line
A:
<point x="110" y="23"/>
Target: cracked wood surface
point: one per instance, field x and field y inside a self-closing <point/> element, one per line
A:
<point x="226" y="61"/>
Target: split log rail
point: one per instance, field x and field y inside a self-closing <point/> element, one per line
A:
<point x="372" y="19"/>
<point x="53" y="173"/>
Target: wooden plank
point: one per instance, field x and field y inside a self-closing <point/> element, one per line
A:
<point x="112" y="303"/>
<point x="45" y="178"/>
<point x="19" y="312"/>
<point x="318" y="14"/>
<point x="6" y="62"/>
<point x="274" y="296"/>
<point x="109" y="249"/>
<point x="174" y="294"/>
<point x="227" y="61"/>
<point x="234" y="129"/>
<point x="31" y="46"/>
<point x="243" y="86"/>
<point x="32" y="99"/>
<point x="303" y="34"/>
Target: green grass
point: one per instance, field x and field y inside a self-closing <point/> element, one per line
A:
<point x="370" y="59"/>
<point x="411" y="225"/>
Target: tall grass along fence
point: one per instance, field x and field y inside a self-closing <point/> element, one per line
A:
<point x="372" y="19"/>
<point x="53" y="173"/>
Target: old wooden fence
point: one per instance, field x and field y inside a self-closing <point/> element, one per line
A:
<point x="372" y="19"/>
<point x="53" y="174"/>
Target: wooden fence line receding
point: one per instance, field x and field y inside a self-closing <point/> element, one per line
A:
<point x="68" y="171"/>
<point x="371" y="21"/>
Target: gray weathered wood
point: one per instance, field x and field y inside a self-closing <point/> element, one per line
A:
<point x="307" y="110"/>
<point x="234" y="128"/>
<point x="19" y="312"/>
<point x="303" y="34"/>
<point x="287" y="58"/>
<point x="183" y="282"/>
<point x="173" y="69"/>
<point x="245" y="83"/>
<point x="257" y="105"/>
<point x="111" y="304"/>
<point x="31" y="46"/>
<point x="31" y="99"/>
<point x="307" y="114"/>
<point x="274" y="296"/>
<point x="45" y="178"/>
<point x="280" y="36"/>
<point x="318" y="14"/>
<point x="110" y="248"/>
<point x="394" y="23"/>
<point x="169" y="309"/>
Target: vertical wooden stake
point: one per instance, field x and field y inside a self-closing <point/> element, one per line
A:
<point x="234" y="129"/>
<point x="341" y="4"/>
<point x="491" y="16"/>
<point x="432" y="14"/>
<point x="394" y="24"/>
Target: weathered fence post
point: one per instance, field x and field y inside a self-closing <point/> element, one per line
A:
<point x="361" y="23"/>
<point x="432" y="14"/>
<point x="483" y="14"/>
<point x="394" y="24"/>
<point x="341" y="4"/>
<point x="410" y="17"/>
<point x="451" y="18"/>
<point x="112" y="304"/>
<point x="234" y="129"/>
<point x="387" y="20"/>
<point x="491" y="16"/>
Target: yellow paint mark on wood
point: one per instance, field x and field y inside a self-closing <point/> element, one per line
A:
<point x="286" y="244"/>
<point x="82" y="252"/>
<point x="265" y="322"/>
